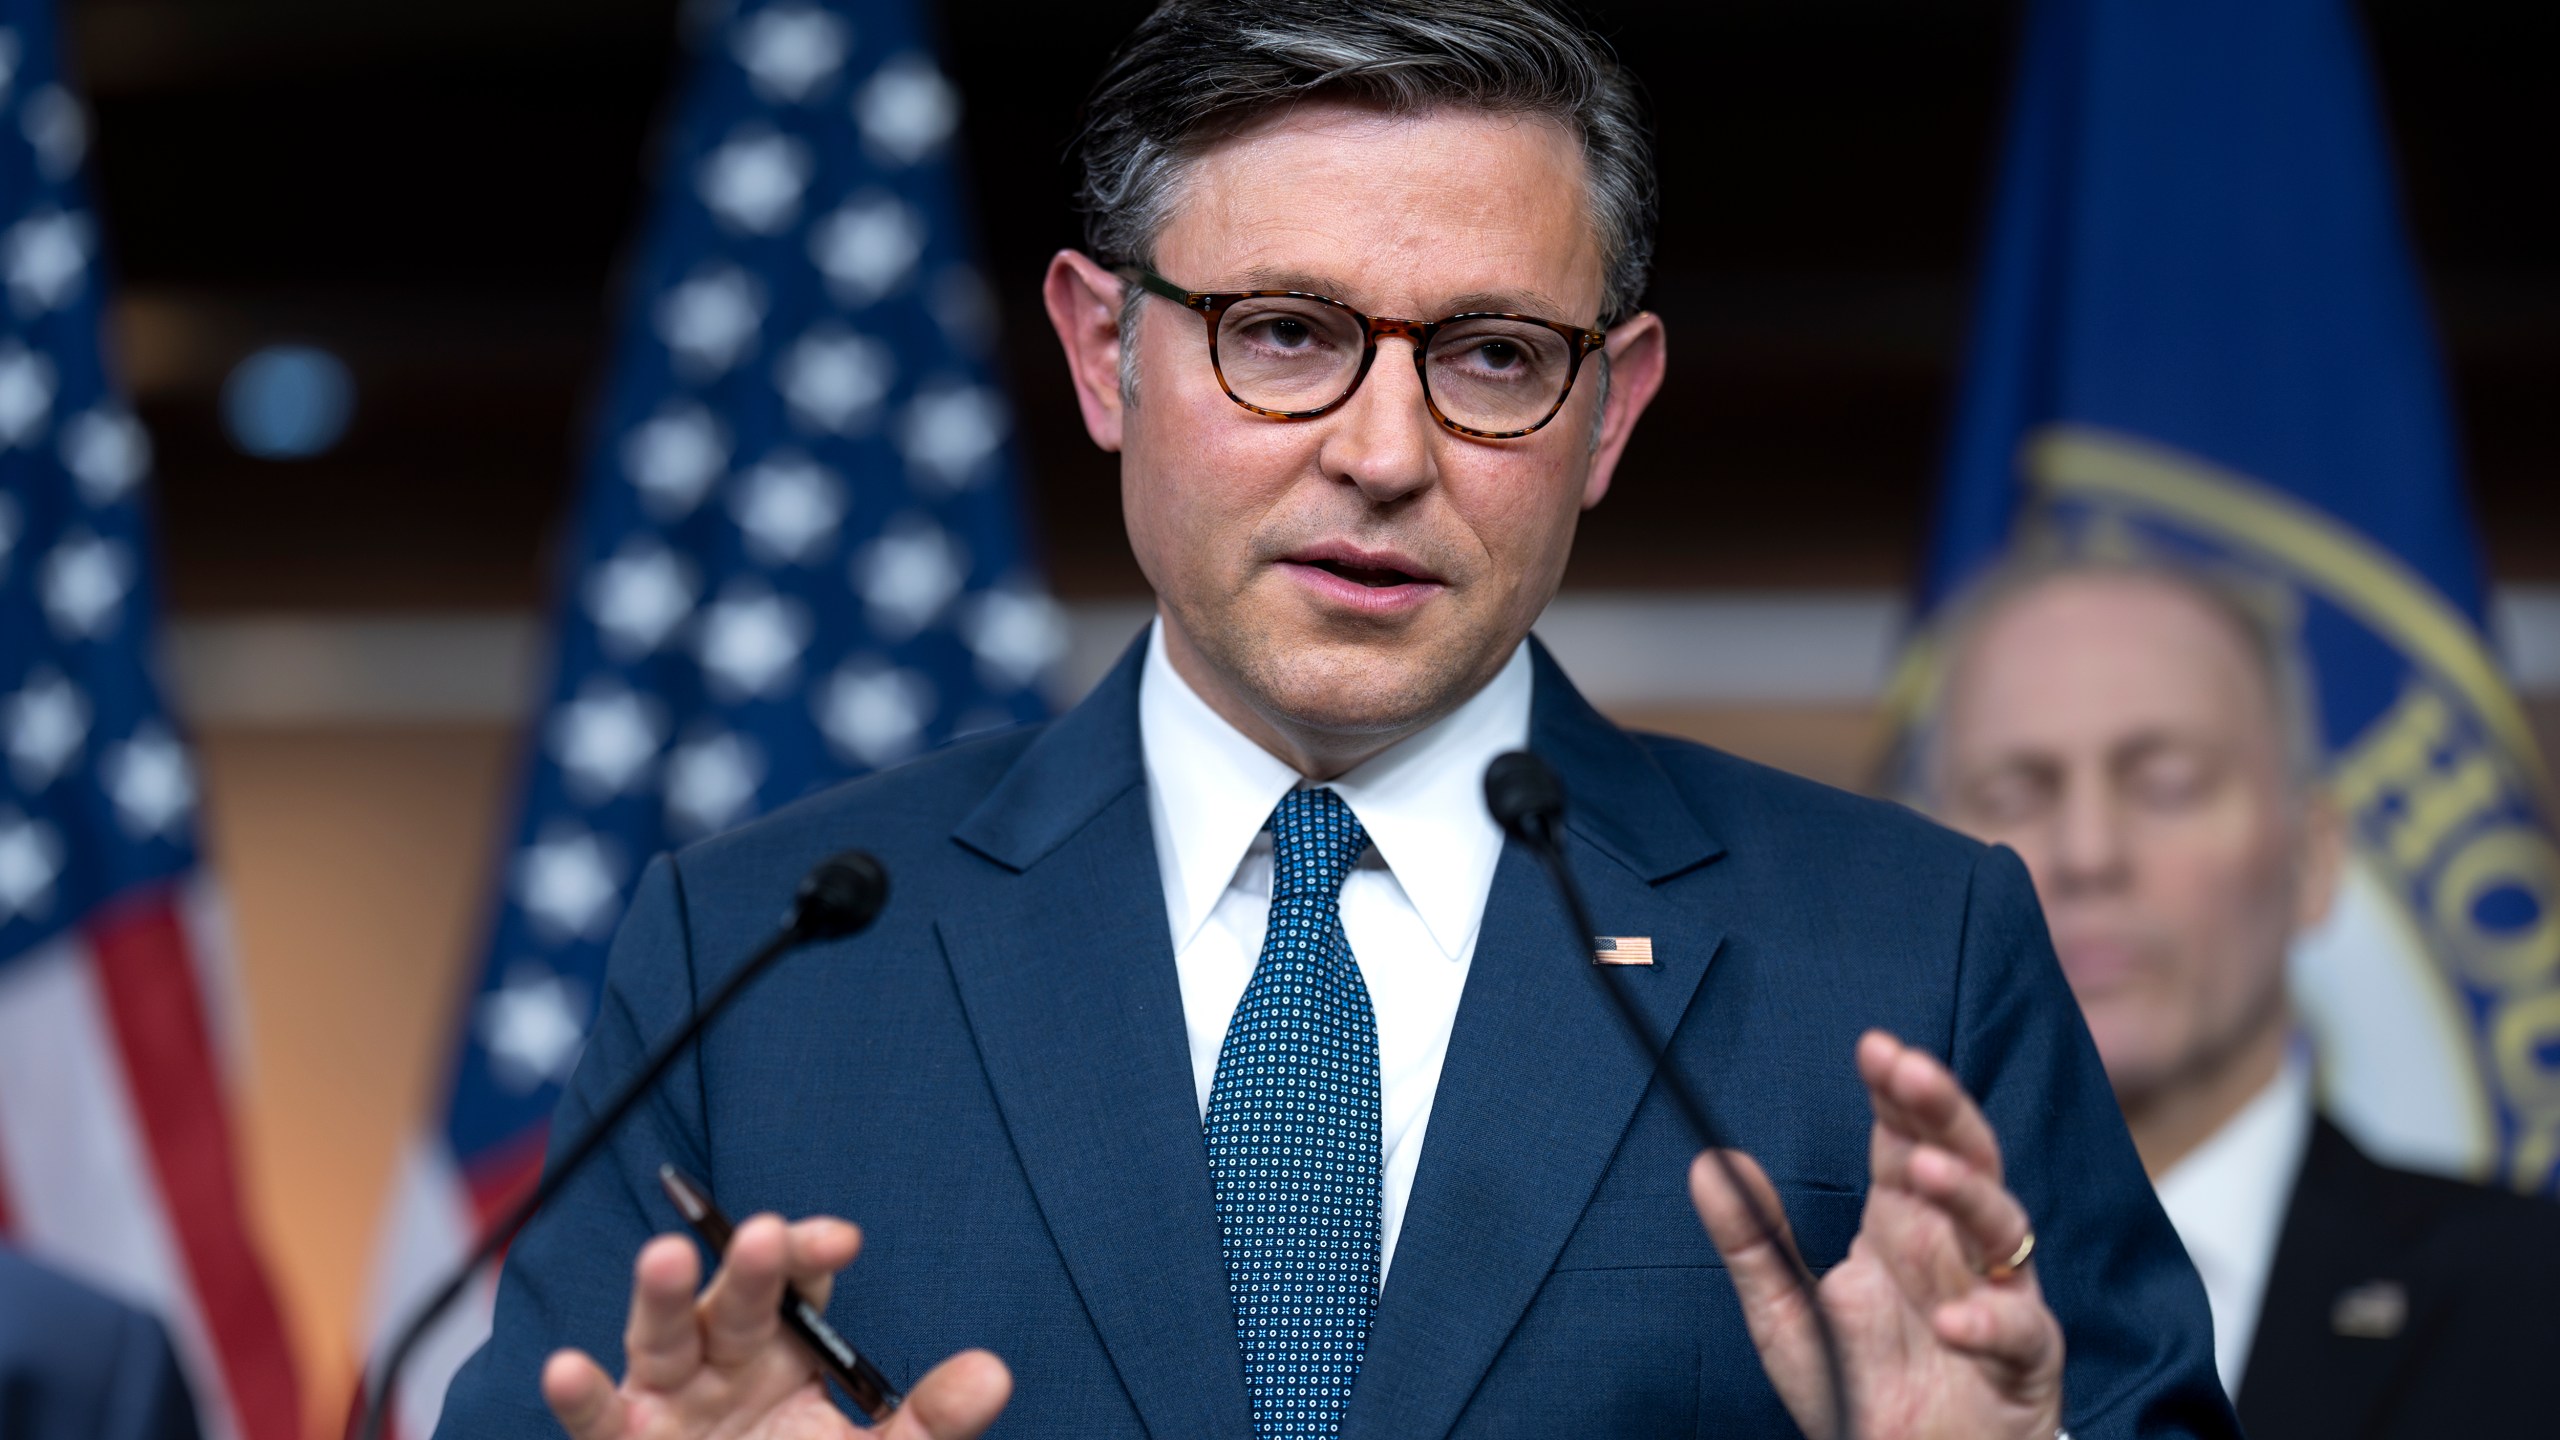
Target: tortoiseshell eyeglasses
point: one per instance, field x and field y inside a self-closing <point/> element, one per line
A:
<point x="1294" y="356"/>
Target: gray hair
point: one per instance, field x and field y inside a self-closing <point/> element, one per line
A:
<point x="1197" y="69"/>
<point x="2260" y="616"/>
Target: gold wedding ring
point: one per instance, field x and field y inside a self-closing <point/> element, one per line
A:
<point x="2017" y="1259"/>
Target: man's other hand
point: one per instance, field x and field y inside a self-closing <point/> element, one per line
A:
<point x="1933" y="1345"/>
<point x="719" y="1366"/>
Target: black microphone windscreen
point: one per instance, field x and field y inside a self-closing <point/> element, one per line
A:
<point x="1520" y="789"/>
<point x="840" y="895"/>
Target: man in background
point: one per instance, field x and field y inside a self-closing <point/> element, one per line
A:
<point x="2143" y="739"/>
<point x="75" y="1365"/>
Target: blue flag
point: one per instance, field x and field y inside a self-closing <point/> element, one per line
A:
<point x="798" y="553"/>
<point x="2200" y="334"/>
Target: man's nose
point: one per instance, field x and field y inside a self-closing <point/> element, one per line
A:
<point x="2090" y="852"/>
<point x="1383" y="439"/>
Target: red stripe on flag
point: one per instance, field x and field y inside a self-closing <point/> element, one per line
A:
<point x="159" y="1018"/>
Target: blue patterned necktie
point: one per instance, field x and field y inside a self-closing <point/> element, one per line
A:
<point x="1293" y="1136"/>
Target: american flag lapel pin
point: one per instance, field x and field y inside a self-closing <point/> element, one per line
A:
<point x="1621" y="949"/>
<point x="2374" y="1310"/>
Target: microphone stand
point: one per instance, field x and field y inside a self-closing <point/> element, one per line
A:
<point x="840" y="897"/>
<point x="1531" y="808"/>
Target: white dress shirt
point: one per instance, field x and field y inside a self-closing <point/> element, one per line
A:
<point x="1410" y="908"/>
<point x="2227" y="1199"/>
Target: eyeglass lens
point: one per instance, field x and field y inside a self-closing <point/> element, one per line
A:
<point x="1289" y="354"/>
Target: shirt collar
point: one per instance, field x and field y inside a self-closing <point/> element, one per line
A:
<point x="1210" y="789"/>
<point x="2227" y="1197"/>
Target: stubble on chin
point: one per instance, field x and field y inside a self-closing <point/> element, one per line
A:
<point x="1347" y="684"/>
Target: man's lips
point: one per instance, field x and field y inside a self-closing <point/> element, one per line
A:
<point x="1374" y="582"/>
<point x="2096" y="964"/>
<point x="1377" y="569"/>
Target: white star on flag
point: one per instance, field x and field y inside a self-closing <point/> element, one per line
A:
<point x="867" y="246"/>
<point x="568" y="883"/>
<point x="908" y="574"/>
<point x="754" y="180"/>
<point x="674" y="456"/>
<point x="788" y="507"/>
<point x="533" y="1026"/>
<point x="750" y="641"/>
<point x="30" y="861"/>
<point x="800" y="479"/>
<point x="906" y="111"/>
<point x="56" y="126"/>
<point x="26" y="392"/>
<point x="711" y="782"/>
<point x="152" y="784"/>
<point x="84" y="583"/>
<point x="710" y="321"/>
<point x="44" y="257"/>
<point x="1016" y="633"/>
<point x="872" y="713"/>
<point x="834" y="380"/>
<point x="47" y="720"/>
<point x="107" y="451"/>
<point x="638" y="597"/>
<point x="949" y="431"/>
<point x="606" y="737"/>
<point x="789" y="51"/>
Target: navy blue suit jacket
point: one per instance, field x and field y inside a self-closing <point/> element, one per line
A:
<point x="994" y="1082"/>
<point x="75" y="1365"/>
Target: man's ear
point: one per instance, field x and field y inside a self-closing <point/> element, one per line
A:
<point x="1636" y="356"/>
<point x="1084" y="307"/>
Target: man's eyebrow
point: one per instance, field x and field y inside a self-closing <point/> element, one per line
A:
<point x="1264" y="277"/>
<point x="1508" y="302"/>
<point x="2154" y="740"/>
<point x="2042" y="766"/>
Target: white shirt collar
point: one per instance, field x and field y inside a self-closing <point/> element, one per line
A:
<point x="1210" y="789"/>
<point x="2227" y="1199"/>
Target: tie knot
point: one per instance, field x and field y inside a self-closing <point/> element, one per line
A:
<point x="1315" y="840"/>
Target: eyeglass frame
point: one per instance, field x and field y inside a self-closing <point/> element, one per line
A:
<point x="1212" y="306"/>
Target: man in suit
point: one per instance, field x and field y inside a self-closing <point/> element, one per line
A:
<point x="2143" y="738"/>
<point x="1131" y="1082"/>
<point x="75" y="1365"/>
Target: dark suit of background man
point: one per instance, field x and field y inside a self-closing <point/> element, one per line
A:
<point x="75" y="1365"/>
<point x="1135" y="1095"/>
<point x="2141" y="739"/>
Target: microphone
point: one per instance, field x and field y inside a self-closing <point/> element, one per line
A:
<point x="840" y="896"/>
<point x="1527" y="800"/>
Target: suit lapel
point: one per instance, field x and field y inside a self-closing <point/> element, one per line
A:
<point x="1541" y="1078"/>
<point x="2341" y="1259"/>
<point x="1066" y="974"/>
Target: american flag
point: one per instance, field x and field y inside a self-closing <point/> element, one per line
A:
<point x="798" y="557"/>
<point x="118" y="1007"/>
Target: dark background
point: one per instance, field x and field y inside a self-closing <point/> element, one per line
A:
<point x="439" y="190"/>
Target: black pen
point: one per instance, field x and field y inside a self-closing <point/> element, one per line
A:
<point x="860" y="1378"/>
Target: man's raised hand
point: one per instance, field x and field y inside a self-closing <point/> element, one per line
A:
<point x="1934" y="1345"/>
<point x="719" y="1366"/>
